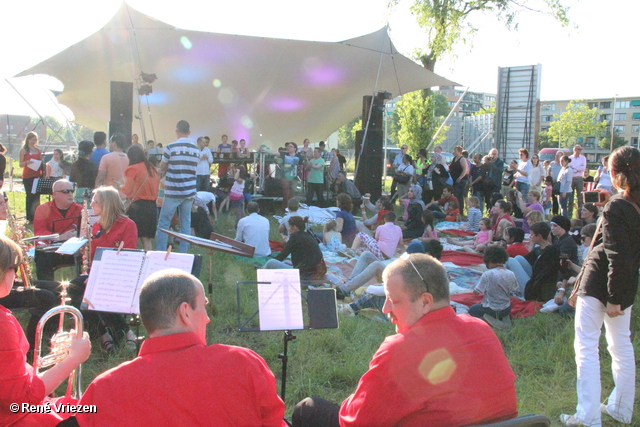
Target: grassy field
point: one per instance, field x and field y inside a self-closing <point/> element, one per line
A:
<point x="329" y="363"/>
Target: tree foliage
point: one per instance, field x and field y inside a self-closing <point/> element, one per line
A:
<point x="446" y="21"/>
<point x="577" y="121"/>
<point x="417" y="122"/>
<point x="491" y="109"/>
<point x="618" y="141"/>
<point x="347" y="134"/>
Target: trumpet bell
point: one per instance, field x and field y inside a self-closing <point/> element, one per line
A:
<point x="60" y="346"/>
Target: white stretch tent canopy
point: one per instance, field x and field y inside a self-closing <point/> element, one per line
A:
<point x="264" y="90"/>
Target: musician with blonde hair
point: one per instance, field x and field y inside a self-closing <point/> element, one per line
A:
<point x="177" y="378"/>
<point x="19" y="383"/>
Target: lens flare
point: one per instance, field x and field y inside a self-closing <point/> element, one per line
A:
<point x="186" y="43"/>
<point x="437" y="367"/>
<point x="246" y="122"/>
<point x="217" y="83"/>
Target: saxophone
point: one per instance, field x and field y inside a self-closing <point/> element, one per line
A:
<point x="85" y="232"/>
<point x="18" y="233"/>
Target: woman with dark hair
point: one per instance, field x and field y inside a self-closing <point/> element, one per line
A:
<point x="3" y="164"/>
<point x="305" y="252"/>
<point x="565" y="179"/>
<point x="54" y="166"/>
<point x="606" y="290"/>
<point x="290" y="164"/>
<point x="83" y="171"/>
<point x="404" y="176"/>
<point x="141" y="189"/>
<point x="603" y="177"/>
<point x="589" y="213"/>
<point x="459" y="170"/>
<point x="30" y="154"/>
<point x="344" y="218"/>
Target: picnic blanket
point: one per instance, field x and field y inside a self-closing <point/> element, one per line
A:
<point x="461" y="259"/>
<point x="315" y="214"/>
<point x="519" y="308"/>
<point x="448" y="225"/>
<point x="457" y="232"/>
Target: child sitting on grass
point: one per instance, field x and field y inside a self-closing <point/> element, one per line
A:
<point x="514" y="237"/>
<point x="453" y="213"/>
<point x="331" y="239"/>
<point x="479" y="243"/>
<point x="496" y="284"/>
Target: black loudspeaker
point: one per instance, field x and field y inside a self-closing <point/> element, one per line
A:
<point x="370" y="164"/>
<point x="122" y="127"/>
<point x="121" y="102"/>
<point x="376" y="113"/>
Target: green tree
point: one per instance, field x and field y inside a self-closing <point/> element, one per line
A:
<point x="446" y="21"/>
<point x="578" y="120"/>
<point x="347" y="134"/>
<point x="618" y="141"/>
<point x="491" y="109"/>
<point x="441" y="107"/>
<point x="415" y="115"/>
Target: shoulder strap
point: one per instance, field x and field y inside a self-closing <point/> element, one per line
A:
<point x="573" y="296"/>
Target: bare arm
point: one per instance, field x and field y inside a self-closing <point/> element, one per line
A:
<point x="340" y="222"/>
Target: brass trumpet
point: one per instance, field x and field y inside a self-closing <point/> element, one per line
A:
<point x="60" y="343"/>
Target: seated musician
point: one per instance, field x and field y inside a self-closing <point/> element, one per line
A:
<point x="19" y="383"/>
<point x="439" y="370"/>
<point x="59" y="216"/>
<point x="177" y="378"/>
<point x="113" y="228"/>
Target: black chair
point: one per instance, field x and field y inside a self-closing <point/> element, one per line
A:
<point x="529" y="420"/>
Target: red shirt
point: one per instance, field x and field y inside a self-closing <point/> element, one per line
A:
<point x="140" y="184"/>
<point x="177" y="379"/>
<point x="49" y="220"/>
<point x="445" y="371"/>
<point x="517" y="249"/>
<point x="123" y="230"/>
<point x="18" y="381"/>
<point x="27" y="172"/>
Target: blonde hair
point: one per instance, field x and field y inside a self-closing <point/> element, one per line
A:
<point x="10" y="255"/>
<point x="534" y="216"/>
<point x="111" y="204"/>
<point x="473" y="201"/>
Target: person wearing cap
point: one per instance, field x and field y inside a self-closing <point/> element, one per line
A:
<point x="578" y="165"/>
<point x="565" y="244"/>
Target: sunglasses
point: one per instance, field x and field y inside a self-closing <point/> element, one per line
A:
<point x="65" y="191"/>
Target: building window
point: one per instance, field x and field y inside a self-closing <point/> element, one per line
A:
<point x="590" y="142"/>
<point x="548" y="107"/>
<point x="606" y="104"/>
<point x="605" y="117"/>
<point x="620" y="117"/>
<point x="635" y="128"/>
<point x="546" y="119"/>
<point x="623" y="104"/>
<point x="619" y="128"/>
<point x="634" y="141"/>
<point x="592" y="104"/>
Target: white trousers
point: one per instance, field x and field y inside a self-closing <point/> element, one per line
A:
<point x="590" y="315"/>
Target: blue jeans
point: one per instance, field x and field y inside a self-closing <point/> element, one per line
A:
<point x="169" y="208"/>
<point x="274" y="264"/>
<point x="523" y="271"/>
<point x="523" y="188"/>
<point x="564" y="205"/>
<point x="477" y="310"/>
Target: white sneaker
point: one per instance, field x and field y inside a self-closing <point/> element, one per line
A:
<point x="346" y="310"/>
<point x="132" y="341"/>
<point x="569" y="421"/>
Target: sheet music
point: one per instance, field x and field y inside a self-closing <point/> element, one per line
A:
<point x="34" y="164"/>
<point x="280" y="302"/>
<point x="113" y="281"/>
<point x="154" y="262"/>
<point x="72" y="245"/>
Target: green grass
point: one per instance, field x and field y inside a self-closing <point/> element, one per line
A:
<point x="329" y="363"/>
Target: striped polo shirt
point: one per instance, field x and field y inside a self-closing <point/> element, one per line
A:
<point x="182" y="159"/>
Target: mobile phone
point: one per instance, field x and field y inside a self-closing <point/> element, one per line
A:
<point x="593" y="197"/>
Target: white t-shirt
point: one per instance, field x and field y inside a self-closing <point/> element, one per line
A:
<point x="526" y="168"/>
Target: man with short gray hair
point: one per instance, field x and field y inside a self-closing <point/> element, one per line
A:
<point x="436" y="360"/>
<point x="177" y="379"/>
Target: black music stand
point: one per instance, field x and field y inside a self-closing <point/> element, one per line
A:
<point x="44" y="185"/>
<point x="322" y="314"/>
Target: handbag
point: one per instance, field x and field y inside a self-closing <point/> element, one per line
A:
<point x="127" y="202"/>
<point x="401" y="178"/>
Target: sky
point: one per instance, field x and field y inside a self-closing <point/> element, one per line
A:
<point x="592" y="58"/>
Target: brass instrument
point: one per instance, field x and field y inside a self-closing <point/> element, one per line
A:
<point x="18" y="233"/>
<point x="60" y="342"/>
<point x="85" y="232"/>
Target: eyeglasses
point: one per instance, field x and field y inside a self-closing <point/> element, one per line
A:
<point x="68" y="191"/>
<point x="406" y="257"/>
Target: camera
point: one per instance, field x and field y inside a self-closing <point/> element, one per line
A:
<point x="593" y="197"/>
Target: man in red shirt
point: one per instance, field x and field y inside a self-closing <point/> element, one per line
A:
<point x="178" y="379"/>
<point x="60" y="216"/>
<point x="440" y="206"/>
<point x="440" y="369"/>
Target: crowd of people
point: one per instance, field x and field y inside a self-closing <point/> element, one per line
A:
<point x="519" y="213"/>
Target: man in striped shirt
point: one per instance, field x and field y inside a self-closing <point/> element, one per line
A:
<point x="179" y="163"/>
